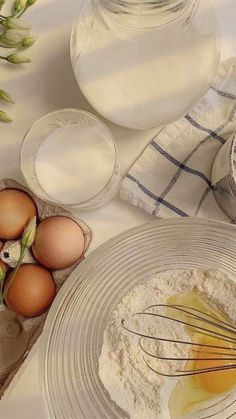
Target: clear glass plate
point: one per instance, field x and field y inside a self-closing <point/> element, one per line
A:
<point x="73" y="333"/>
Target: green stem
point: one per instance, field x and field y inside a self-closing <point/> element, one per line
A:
<point x="20" y="260"/>
<point x="15" y="14"/>
<point x="19" y="14"/>
<point x="1" y="287"/>
<point x="3" y="58"/>
<point x="1" y="297"/>
<point x="7" y="46"/>
<point x="22" y="12"/>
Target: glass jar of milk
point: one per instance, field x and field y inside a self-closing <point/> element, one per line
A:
<point x="143" y="63"/>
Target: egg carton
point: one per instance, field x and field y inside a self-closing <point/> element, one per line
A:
<point x="18" y="334"/>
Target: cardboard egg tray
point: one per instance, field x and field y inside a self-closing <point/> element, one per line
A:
<point x="18" y="334"/>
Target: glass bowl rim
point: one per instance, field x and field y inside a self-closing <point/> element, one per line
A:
<point x="106" y="246"/>
<point x="89" y="115"/>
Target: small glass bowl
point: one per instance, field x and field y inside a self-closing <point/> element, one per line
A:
<point x="45" y="126"/>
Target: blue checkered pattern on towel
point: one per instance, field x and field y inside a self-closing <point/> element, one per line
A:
<point x="173" y="175"/>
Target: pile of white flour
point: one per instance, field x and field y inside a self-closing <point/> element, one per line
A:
<point x="139" y="391"/>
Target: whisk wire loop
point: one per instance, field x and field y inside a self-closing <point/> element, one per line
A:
<point x="199" y="323"/>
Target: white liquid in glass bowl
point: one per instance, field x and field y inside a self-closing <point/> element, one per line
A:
<point x="69" y="158"/>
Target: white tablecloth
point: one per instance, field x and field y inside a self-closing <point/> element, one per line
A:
<point x="47" y="84"/>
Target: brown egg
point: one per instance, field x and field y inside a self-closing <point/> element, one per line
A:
<point x="16" y="210"/>
<point x="59" y="242"/>
<point x="31" y="292"/>
<point x="3" y="265"/>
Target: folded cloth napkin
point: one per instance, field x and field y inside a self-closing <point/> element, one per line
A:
<point x="173" y="175"/>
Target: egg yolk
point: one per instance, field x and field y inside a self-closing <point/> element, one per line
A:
<point x="218" y="381"/>
<point x="191" y="391"/>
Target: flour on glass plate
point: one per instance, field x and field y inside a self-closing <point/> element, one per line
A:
<point x="135" y="388"/>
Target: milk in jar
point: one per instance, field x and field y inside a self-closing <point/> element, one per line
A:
<point x="144" y="64"/>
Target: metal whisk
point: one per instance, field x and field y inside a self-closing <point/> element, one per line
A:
<point x="197" y="322"/>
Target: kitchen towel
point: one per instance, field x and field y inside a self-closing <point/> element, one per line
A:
<point x="172" y="177"/>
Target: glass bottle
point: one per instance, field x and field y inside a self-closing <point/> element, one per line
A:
<point x="143" y="63"/>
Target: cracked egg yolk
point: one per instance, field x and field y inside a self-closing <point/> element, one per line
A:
<point x="191" y="391"/>
<point x="218" y="381"/>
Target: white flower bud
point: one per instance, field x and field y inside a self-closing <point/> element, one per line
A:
<point x="13" y="36"/>
<point x="29" y="233"/>
<point x="16" y="23"/>
<point x="5" y="96"/>
<point x="28" y="41"/>
<point x="18" y="59"/>
<point x="4" y="117"/>
<point x="20" y="5"/>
